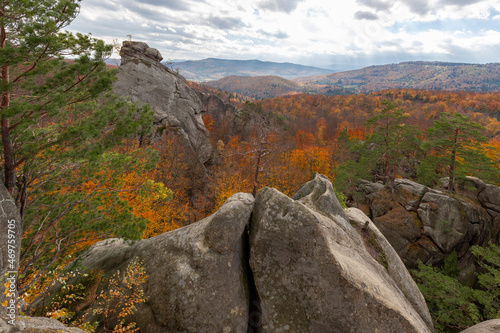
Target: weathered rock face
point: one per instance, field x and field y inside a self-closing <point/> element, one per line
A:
<point x="196" y="274"/>
<point x="276" y="264"/>
<point x="316" y="272"/>
<point x="145" y="80"/>
<point x="11" y="230"/>
<point x="489" y="326"/>
<point x="217" y="108"/>
<point x="427" y="225"/>
<point x="26" y="324"/>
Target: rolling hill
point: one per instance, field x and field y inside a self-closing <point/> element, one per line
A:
<point x="407" y="75"/>
<point x="215" y="69"/>
<point x="257" y="86"/>
<point x="412" y="75"/>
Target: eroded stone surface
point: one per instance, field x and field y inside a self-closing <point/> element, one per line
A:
<point x="315" y="272"/>
<point x="197" y="275"/>
<point x="489" y="326"/>
<point x="145" y="80"/>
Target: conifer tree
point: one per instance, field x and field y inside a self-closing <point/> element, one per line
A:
<point x="380" y="156"/>
<point x="456" y="146"/>
<point x="58" y="124"/>
<point x="391" y="142"/>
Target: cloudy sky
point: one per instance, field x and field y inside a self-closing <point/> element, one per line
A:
<point x="311" y="32"/>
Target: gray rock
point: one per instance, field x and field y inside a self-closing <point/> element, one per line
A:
<point x="489" y="326"/>
<point x="6" y="327"/>
<point x="145" y="80"/>
<point x="305" y="265"/>
<point x="414" y="189"/>
<point x="217" y="108"/>
<point x="490" y="197"/>
<point x="11" y="230"/>
<point x="410" y="186"/>
<point x="369" y="187"/>
<point x="399" y="227"/>
<point x="44" y="325"/>
<point x="315" y="272"/>
<point x="319" y="194"/>
<point x="476" y="182"/>
<point x="444" y="220"/>
<point x="197" y="274"/>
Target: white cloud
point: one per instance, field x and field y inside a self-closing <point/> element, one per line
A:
<point x="284" y="30"/>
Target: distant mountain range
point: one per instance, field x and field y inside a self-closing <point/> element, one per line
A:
<point x="256" y="86"/>
<point x="215" y="69"/>
<point x="412" y="75"/>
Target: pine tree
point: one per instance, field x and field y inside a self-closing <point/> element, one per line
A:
<point x="391" y="142"/>
<point x="58" y="125"/>
<point x="455" y="148"/>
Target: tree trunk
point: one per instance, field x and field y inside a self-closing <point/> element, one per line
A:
<point x="451" y="187"/>
<point x="8" y="149"/>
<point x="256" y="177"/>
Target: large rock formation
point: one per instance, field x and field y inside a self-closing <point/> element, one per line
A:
<point x="426" y="224"/>
<point x="217" y="108"/>
<point x="24" y="324"/>
<point x="316" y="272"/>
<point x="277" y="264"/>
<point x="489" y="326"/>
<point x="145" y="80"/>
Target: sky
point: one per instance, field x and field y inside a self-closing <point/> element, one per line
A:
<point x="320" y="33"/>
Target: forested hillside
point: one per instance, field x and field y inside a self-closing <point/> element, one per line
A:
<point x="215" y="69"/>
<point x="412" y="75"/>
<point x="260" y="87"/>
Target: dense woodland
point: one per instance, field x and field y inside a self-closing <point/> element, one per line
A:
<point x="410" y="75"/>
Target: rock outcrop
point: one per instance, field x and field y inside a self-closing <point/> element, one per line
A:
<point x="217" y="108"/>
<point x="26" y="324"/>
<point x="317" y="271"/>
<point x="489" y="326"/>
<point x="426" y="224"/>
<point x="275" y="264"/>
<point x="145" y="80"/>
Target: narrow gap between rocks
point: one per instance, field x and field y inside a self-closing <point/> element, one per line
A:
<point x="254" y="308"/>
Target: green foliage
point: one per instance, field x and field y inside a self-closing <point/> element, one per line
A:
<point x="60" y="130"/>
<point x="455" y="148"/>
<point x="489" y="260"/>
<point x="451" y="267"/>
<point x="453" y="306"/>
<point x="391" y="141"/>
<point x="80" y="202"/>
<point x="380" y="156"/>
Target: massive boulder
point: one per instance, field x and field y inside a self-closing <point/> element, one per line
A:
<point x="275" y="264"/>
<point x="197" y="277"/>
<point x="427" y="225"/>
<point x="489" y="326"/>
<point x="317" y="269"/>
<point x="145" y="80"/>
<point x="24" y="324"/>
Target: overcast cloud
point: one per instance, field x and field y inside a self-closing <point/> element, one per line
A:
<point x="313" y="32"/>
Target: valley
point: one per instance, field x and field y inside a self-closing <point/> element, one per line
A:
<point x="408" y="75"/>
